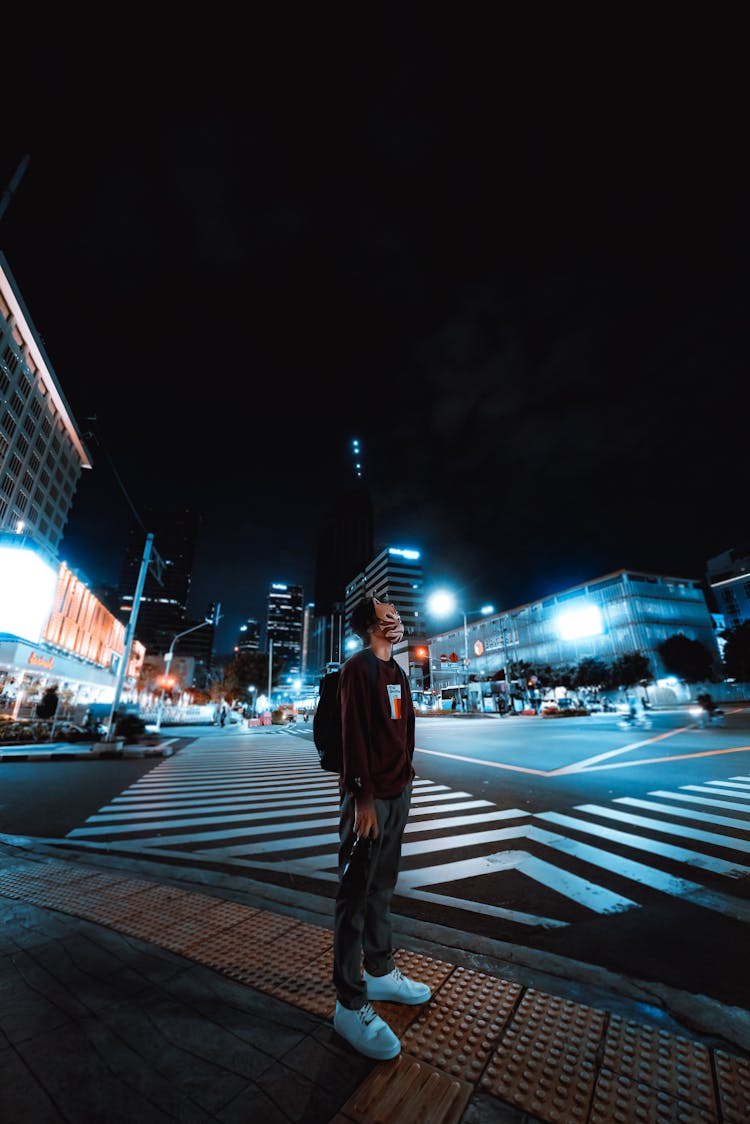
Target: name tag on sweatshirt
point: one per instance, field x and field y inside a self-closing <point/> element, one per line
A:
<point x="394" y="697"/>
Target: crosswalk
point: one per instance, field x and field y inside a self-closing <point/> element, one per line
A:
<point x="273" y="810"/>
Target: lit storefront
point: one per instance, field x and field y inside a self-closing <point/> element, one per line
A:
<point x="53" y="631"/>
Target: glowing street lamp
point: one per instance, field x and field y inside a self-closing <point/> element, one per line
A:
<point x="443" y="603"/>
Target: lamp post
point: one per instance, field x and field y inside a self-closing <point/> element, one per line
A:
<point x="443" y="603"/>
<point x="270" y="671"/>
<point x="168" y="662"/>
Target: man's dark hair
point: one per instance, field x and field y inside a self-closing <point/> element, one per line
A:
<point x="363" y="616"/>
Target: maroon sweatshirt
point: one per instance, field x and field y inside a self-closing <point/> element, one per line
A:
<point x="377" y="720"/>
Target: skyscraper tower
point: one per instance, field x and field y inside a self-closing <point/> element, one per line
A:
<point x="162" y="612"/>
<point x="284" y="626"/>
<point x="345" y="546"/>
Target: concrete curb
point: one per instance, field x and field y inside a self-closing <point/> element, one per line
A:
<point x="68" y="752"/>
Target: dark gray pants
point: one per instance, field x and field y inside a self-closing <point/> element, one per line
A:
<point x="362" y="927"/>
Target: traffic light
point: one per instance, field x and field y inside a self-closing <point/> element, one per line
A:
<point x="213" y="613"/>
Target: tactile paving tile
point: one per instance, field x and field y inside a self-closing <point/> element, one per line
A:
<point x="191" y="930"/>
<point x="290" y="963"/>
<point x="458" y="1030"/>
<point x="17" y="883"/>
<point x="243" y="945"/>
<point x="733" y="1081"/>
<point x="426" y="969"/>
<point x="618" y="1098"/>
<point x="545" y="1063"/>
<point x="407" y="1091"/>
<point x="667" y="1062"/>
<point x="303" y="982"/>
<point x="416" y="966"/>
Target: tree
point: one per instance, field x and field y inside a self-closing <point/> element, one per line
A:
<point x="631" y="668"/>
<point x="246" y="669"/>
<point x="737" y="652"/>
<point x="688" y="659"/>
<point x="592" y="672"/>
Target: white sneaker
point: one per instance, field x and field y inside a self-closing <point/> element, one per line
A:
<point x="395" y="988"/>
<point x="366" y="1032"/>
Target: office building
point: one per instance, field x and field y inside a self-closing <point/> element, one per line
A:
<point x="54" y="632"/>
<point x="344" y="547"/>
<point x="284" y="627"/>
<point x="42" y="454"/>
<point x="728" y="577"/>
<point x="248" y="636"/>
<point x="604" y="619"/>
<point x="395" y="574"/>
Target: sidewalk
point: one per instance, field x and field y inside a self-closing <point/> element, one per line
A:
<point x="127" y="996"/>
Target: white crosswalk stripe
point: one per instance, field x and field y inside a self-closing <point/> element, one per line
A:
<point x="275" y="811"/>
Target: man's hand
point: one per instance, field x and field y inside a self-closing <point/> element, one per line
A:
<point x="365" y="819"/>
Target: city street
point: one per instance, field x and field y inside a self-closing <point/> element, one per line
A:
<point x="571" y="838"/>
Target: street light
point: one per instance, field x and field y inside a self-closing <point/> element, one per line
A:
<point x="166" y="678"/>
<point x="443" y="603"/>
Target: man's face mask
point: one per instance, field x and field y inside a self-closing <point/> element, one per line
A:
<point x="389" y="622"/>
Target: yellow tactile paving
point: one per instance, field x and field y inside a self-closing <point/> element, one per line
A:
<point x="407" y="1091"/>
<point x="557" y="1060"/>
<point x="458" y="1030"/>
<point x="545" y="1063"/>
<point x="236" y="949"/>
<point x="191" y="931"/>
<point x="418" y="967"/>
<point x="733" y="1083"/>
<point x="665" y="1062"/>
<point x="619" y="1098"/>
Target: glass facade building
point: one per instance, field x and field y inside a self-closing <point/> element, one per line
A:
<point x="41" y="451"/>
<point x="395" y="574"/>
<point x="605" y="618"/>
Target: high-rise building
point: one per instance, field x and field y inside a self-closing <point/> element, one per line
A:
<point x="248" y="636"/>
<point x="728" y="577"/>
<point x="284" y="626"/>
<point x="344" y="547"/>
<point x="41" y="450"/>
<point x="395" y="574"/>
<point x="162" y="611"/>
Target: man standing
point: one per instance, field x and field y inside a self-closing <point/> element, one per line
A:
<point x="377" y="717"/>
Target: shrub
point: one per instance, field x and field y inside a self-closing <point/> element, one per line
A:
<point x="129" y="727"/>
<point x="571" y="712"/>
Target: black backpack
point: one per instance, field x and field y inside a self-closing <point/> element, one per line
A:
<point x="327" y="719"/>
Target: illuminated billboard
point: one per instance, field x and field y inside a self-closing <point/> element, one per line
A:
<point x="27" y="592"/>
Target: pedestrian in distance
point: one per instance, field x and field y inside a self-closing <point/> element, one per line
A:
<point x="377" y="721"/>
<point x="222" y="715"/>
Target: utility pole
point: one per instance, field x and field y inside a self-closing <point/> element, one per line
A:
<point x="129" y="634"/>
<point x="10" y="190"/>
<point x="270" y="670"/>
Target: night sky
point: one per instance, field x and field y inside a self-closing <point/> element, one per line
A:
<point x="509" y="254"/>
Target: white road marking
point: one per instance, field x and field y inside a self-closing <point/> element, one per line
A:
<point x="653" y="846"/>
<point x="682" y="813"/>
<point x="731" y="842"/>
